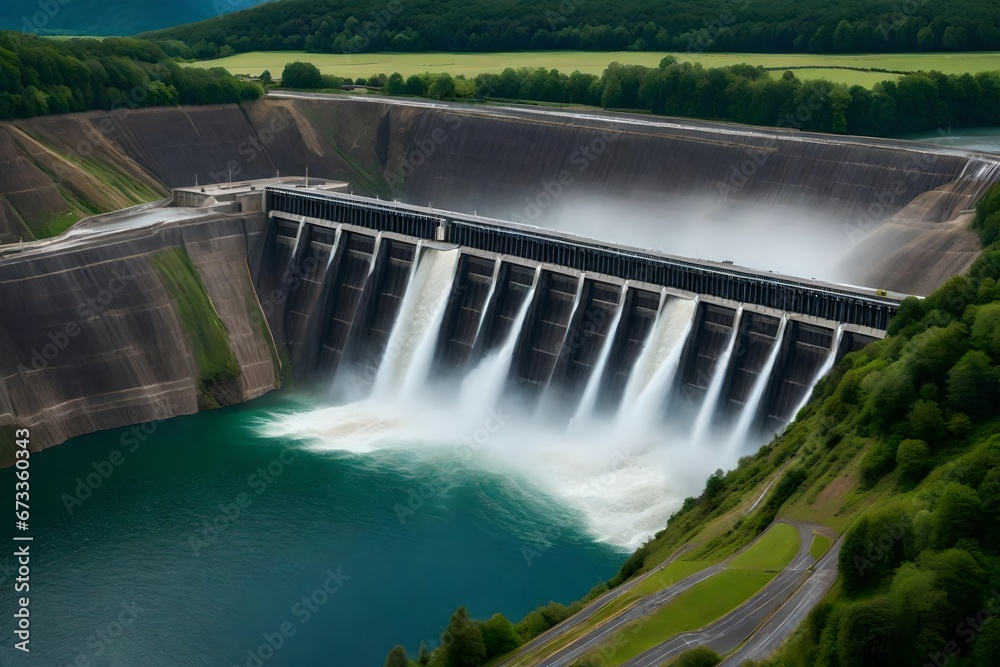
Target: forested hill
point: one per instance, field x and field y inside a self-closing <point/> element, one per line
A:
<point x="766" y="26"/>
<point x="42" y="76"/>
<point x="109" y="17"/>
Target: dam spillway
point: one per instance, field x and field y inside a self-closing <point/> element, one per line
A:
<point x="559" y="324"/>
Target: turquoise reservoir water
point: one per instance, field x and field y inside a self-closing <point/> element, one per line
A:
<point x="190" y="541"/>
<point x="981" y="138"/>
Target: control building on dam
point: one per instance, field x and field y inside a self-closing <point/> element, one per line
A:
<point x="588" y="321"/>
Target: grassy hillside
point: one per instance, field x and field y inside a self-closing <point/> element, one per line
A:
<point x="900" y="448"/>
<point x="208" y="335"/>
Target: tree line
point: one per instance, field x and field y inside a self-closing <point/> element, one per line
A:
<point x="916" y="102"/>
<point x="756" y="26"/>
<point x="44" y="76"/>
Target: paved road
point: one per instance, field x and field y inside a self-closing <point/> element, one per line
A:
<point x="615" y="631"/>
<point x="601" y="601"/>
<point x="781" y="625"/>
<point x="735" y="627"/>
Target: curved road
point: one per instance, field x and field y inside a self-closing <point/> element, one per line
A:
<point x="782" y="624"/>
<point x="726" y="634"/>
<point x="743" y="622"/>
<point x="604" y="599"/>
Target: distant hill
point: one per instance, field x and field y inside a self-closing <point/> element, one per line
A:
<point x="750" y="26"/>
<point x="109" y="17"/>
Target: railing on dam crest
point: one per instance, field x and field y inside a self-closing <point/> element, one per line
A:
<point x="868" y="308"/>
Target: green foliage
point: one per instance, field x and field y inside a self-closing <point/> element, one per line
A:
<point x="987" y="220"/>
<point x="712" y="25"/>
<point x="913" y="460"/>
<point x="301" y="75"/>
<point x="632" y="565"/>
<point x="700" y="656"/>
<point x="462" y="641"/>
<point x="957" y="514"/>
<point x="397" y="657"/>
<point x="867" y="633"/>
<point x="879" y="460"/>
<point x="499" y="636"/>
<point x="973" y="385"/>
<point x="39" y="77"/>
<point x="926" y="421"/>
<point x="986" y="651"/>
<point x="541" y="619"/>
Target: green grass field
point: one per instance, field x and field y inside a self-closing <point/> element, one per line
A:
<point x="773" y="551"/>
<point x="470" y="64"/>
<point x="819" y="545"/>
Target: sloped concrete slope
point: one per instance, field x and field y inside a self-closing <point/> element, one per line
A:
<point x="93" y="339"/>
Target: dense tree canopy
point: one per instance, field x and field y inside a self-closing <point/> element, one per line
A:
<point x="764" y="26"/>
<point x="742" y="93"/>
<point x="40" y="76"/>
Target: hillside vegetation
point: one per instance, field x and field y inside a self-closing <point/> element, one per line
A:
<point x="762" y="26"/>
<point x="900" y="446"/>
<point x="915" y="103"/>
<point x="44" y="76"/>
<point x="865" y="69"/>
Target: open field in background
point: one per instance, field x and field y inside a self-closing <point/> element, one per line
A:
<point x="589" y="62"/>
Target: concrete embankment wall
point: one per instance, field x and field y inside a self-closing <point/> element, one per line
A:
<point x="94" y="337"/>
<point x="898" y="202"/>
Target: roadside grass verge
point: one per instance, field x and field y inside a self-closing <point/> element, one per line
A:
<point x="773" y="551"/>
<point x="819" y="546"/>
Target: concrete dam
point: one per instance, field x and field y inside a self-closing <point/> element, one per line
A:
<point x="336" y="321"/>
<point x="377" y="291"/>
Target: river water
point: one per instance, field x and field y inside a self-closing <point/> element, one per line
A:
<point x="201" y="536"/>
